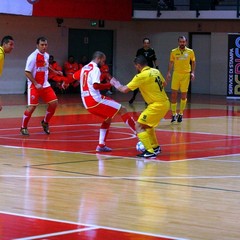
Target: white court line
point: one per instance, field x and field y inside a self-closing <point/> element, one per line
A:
<point x="57" y="234"/>
<point x="121" y="177"/>
<point x="94" y="226"/>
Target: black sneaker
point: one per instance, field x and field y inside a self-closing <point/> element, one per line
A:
<point x="179" y="119"/>
<point x="45" y="127"/>
<point x="131" y="100"/>
<point x="147" y="154"/>
<point x="174" y="118"/>
<point x="157" y="150"/>
<point x="24" y="131"/>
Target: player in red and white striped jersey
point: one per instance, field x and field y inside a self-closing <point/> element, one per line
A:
<point x="36" y="71"/>
<point x="98" y="104"/>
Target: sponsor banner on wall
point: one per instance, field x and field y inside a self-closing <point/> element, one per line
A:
<point x="233" y="82"/>
<point x="85" y="9"/>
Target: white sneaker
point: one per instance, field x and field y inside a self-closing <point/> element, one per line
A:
<point x="103" y="149"/>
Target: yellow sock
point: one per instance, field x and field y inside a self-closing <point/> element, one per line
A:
<point x="174" y="108"/>
<point x="152" y="136"/>
<point x="182" y="106"/>
<point x="144" y="138"/>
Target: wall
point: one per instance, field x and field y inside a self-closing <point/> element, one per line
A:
<point x="128" y="38"/>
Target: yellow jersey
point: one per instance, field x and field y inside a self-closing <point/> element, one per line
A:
<point x="2" y="55"/>
<point x="182" y="59"/>
<point x="150" y="83"/>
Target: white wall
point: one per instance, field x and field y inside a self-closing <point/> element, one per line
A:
<point x="128" y="38"/>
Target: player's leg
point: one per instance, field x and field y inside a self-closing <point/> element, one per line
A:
<point x="26" y="117"/>
<point x="104" y="129"/>
<point x="49" y="96"/>
<point x="126" y="117"/>
<point x="106" y="110"/>
<point x="146" y="124"/>
<point x="135" y="92"/>
<point x="174" y="93"/>
<point x="32" y="101"/>
<point x="184" y="89"/>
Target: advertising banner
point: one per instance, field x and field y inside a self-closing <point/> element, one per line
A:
<point x="233" y="82"/>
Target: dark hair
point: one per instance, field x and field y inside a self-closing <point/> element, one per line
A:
<point x="41" y="39"/>
<point x="182" y="37"/>
<point x="141" y="60"/>
<point x="146" y="39"/>
<point x="6" y="39"/>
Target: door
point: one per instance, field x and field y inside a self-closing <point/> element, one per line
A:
<point x="201" y="44"/>
<point x="84" y="42"/>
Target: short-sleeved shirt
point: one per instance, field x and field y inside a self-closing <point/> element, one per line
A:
<point x="90" y="74"/>
<point x="149" y="54"/>
<point x="150" y="82"/>
<point x="2" y="55"/>
<point x="37" y="63"/>
<point x="182" y="59"/>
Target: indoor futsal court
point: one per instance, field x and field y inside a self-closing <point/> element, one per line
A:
<point x="57" y="187"/>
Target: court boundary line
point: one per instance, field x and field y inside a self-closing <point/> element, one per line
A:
<point x="117" y="156"/>
<point x="92" y="225"/>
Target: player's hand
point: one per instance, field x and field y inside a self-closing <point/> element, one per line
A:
<point x="38" y="86"/>
<point x="65" y="85"/>
<point x="114" y="82"/>
<point x="192" y="76"/>
<point x="168" y="77"/>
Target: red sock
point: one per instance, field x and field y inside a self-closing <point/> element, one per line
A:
<point x="129" y="121"/>
<point x="50" y="111"/>
<point x="26" y="117"/>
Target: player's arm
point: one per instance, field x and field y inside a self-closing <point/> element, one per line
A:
<point x="102" y="86"/>
<point x="193" y="67"/>
<point x="1" y="63"/>
<point x="124" y="89"/>
<point x="170" y="67"/>
<point x="32" y="79"/>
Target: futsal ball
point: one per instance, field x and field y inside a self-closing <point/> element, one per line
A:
<point x="140" y="147"/>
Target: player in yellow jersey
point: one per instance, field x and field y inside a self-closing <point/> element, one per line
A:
<point x="183" y="64"/>
<point x="151" y="85"/>
<point x="7" y="45"/>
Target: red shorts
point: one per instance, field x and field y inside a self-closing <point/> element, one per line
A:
<point x="108" y="108"/>
<point x="46" y="94"/>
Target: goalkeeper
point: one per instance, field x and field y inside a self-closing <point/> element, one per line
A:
<point x="151" y="84"/>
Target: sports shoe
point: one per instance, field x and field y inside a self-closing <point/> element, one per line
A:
<point x="103" y="149"/>
<point x="174" y="118"/>
<point x="147" y="154"/>
<point x="45" y="127"/>
<point x="157" y="150"/>
<point x="179" y="119"/>
<point x="131" y="100"/>
<point x="24" y="131"/>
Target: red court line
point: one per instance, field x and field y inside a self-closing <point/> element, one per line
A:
<point x="26" y="227"/>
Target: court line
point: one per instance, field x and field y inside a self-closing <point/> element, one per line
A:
<point x="57" y="234"/>
<point x="118" y="178"/>
<point x="96" y="226"/>
<point x="123" y="157"/>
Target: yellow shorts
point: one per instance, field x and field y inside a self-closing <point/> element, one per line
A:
<point x="180" y="81"/>
<point x="154" y="112"/>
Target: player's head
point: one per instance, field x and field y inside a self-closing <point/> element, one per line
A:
<point x="99" y="58"/>
<point x="42" y="44"/>
<point x="7" y="44"/>
<point x="146" y="42"/>
<point x="140" y="62"/>
<point x="51" y="59"/>
<point x="182" y="42"/>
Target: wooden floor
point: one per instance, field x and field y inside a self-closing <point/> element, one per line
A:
<point x="57" y="187"/>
